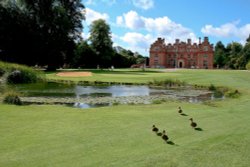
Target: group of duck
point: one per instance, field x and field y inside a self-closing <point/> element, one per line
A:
<point x="193" y="124"/>
<point x="163" y="134"/>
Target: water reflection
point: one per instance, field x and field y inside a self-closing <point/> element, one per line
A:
<point x="83" y="105"/>
<point x="113" y="91"/>
<point x="95" y="96"/>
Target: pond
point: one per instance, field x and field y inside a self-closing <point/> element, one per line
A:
<point x="83" y="96"/>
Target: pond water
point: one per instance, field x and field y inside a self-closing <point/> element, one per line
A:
<point x="94" y="96"/>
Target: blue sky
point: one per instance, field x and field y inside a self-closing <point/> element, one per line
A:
<point x="135" y="24"/>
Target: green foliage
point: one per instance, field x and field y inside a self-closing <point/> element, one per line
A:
<point x="2" y="71"/>
<point x="101" y="42"/>
<point x="232" y="93"/>
<point x="16" y="73"/>
<point x="248" y="66"/>
<point x="168" y="83"/>
<point x="40" y="32"/>
<point x="84" y="57"/>
<point x="234" y="56"/>
<point x="211" y="87"/>
<point x="17" y="77"/>
<point x="12" y="98"/>
<point x="218" y="94"/>
<point x="115" y="103"/>
<point x="219" y="54"/>
<point x="156" y="102"/>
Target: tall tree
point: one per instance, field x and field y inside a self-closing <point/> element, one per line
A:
<point x="57" y="24"/>
<point x="100" y="41"/>
<point x="219" y="54"/>
<point x="234" y="53"/>
<point x="84" y="56"/>
<point x="246" y="52"/>
<point x="248" y="39"/>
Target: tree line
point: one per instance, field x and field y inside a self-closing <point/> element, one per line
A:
<point x="233" y="56"/>
<point x="48" y="32"/>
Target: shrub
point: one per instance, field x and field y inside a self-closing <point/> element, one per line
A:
<point x="12" y="98"/>
<point x="16" y="73"/>
<point x="212" y="87"/>
<point x="2" y="71"/>
<point x="248" y="66"/>
<point x="22" y="76"/>
<point x="233" y="93"/>
<point x="168" y="82"/>
<point x="156" y="102"/>
<point x="116" y="103"/>
<point x="218" y="94"/>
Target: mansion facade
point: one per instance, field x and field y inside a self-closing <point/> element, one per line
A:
<point x="181" y="54"/>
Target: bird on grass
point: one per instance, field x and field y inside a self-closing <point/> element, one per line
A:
<point x="155" y="129"/>
<point x="193" y="124"/>
<point x="180" y="110"/>
<point x="164" y="136"/>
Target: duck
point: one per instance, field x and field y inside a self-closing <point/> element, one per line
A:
<point x="155" y="129"/>
<point x="193" y="124"/>
<point x="180" y="110"/>
<point x="164" y="136"/>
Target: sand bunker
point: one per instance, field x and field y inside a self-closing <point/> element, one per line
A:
<point x="74" y="74"/>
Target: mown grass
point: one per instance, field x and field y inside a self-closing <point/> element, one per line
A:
<point x="121" y="135"/>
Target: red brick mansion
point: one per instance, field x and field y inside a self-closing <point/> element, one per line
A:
<point x="181" y="54"/>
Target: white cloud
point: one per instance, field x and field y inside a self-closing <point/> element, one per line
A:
<point x="137" y="39"/>
<point x="228" y="30"/>
<point x="138" y="42"/>
<point x="133" y="20"/>
<point x="114" y="37"/>
<point x="143" y="4"/>
<point x="92" y="15"/>
<point x="159" y="27"/>
<point x="119" y="20"/>
<point x="154" y="27"/>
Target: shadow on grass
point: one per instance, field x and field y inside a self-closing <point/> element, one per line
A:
<point x="198" y="129"/>
<point x="183" y="114"/>
<point x="171" y="143"/>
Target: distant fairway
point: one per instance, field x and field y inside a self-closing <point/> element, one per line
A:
<point x="121" y="136"/>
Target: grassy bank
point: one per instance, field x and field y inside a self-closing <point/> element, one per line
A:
<point x="231" y="78"/>
<point x="121" y="135"/>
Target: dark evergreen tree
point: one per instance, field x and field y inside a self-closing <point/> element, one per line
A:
<point x="220" y="55"/>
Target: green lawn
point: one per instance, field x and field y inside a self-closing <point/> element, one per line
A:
<point x="121" y="135"/>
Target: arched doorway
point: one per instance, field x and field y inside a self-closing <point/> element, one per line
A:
<point x="180" y="64"/>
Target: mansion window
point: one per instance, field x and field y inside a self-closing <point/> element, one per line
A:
<point x="169" y="62"/>
<point x="156" y="48"/>
<point x="205" y="48"/>
<point x="205" y="64"/>
<point x="205" y="56"/>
